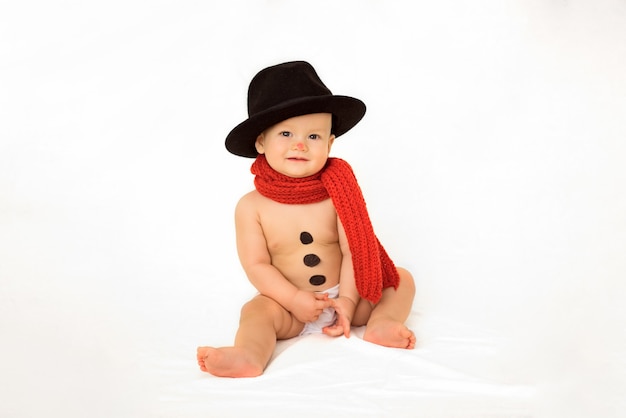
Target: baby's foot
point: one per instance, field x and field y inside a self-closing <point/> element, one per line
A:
<point x="389" y="333"/>
<point x="228" y="362"/>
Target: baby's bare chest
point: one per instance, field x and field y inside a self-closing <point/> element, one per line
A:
<point x="289" y="226"/>
<point x="303" y="241"/>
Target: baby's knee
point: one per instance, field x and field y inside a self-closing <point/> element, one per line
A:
<point x="407" y="283"/>
<point x="258" y="304"/>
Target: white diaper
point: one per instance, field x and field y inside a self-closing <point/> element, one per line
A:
<point x="327" y="318"/>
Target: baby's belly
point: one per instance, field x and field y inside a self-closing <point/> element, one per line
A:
<point x="314" y="270"/>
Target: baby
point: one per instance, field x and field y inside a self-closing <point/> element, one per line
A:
<point x="304" y="237"/>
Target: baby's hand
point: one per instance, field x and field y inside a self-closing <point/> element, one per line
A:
<point x="308" y="306"/>
<point x="344" y="307"/>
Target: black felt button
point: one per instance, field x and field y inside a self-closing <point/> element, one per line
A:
<point x="317" y="280"/>
<point x="306" y="238"/>
<point x="311" y="260"/>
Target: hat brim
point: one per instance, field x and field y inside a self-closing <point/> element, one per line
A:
<point x="347" y="112"/>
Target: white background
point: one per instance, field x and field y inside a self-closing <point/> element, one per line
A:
<point x="492" y="157"/>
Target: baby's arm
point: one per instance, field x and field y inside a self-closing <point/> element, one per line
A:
<point x="257" y="263"/>
<point x="345" y="304"/>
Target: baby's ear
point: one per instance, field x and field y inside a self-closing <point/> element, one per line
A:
<point x="331" y="140"/>
<point x="258" y="144"/>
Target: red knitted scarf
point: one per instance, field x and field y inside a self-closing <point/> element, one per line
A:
<point x="373" y="269"/>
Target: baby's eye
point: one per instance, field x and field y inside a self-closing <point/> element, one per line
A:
<point x="286" y="134"/>
<point x="314" y="136"/>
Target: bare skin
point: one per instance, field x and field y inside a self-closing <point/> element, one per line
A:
<point x="271" y="251"/>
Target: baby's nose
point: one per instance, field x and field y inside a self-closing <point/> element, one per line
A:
<point x="299" y="146"/>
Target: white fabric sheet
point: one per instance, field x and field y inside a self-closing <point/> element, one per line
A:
<point x="314" y="375"/>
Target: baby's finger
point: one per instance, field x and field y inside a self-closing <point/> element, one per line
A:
<point x="333" y="330"/>
<point x="323" y="304"/>
<point x="321" y="296"/>
<point x="346" y="330"/>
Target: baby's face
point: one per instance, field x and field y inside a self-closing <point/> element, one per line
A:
<point x="298" y="147"/>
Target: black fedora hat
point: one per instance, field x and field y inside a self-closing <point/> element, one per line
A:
<point x="284" y="91"/>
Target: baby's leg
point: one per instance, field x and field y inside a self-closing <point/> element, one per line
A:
<point x="262" y="321"/>
<point x="386" y="322"/>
